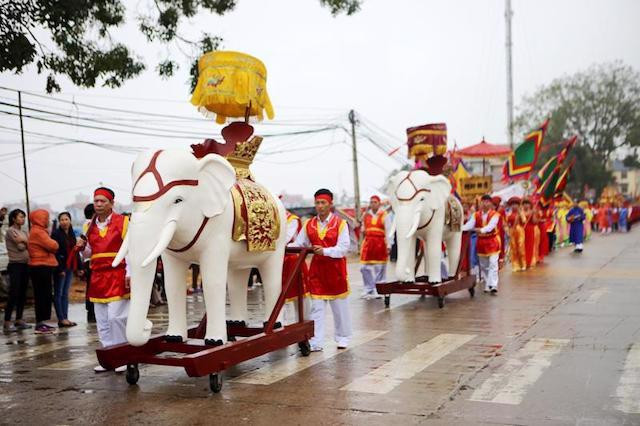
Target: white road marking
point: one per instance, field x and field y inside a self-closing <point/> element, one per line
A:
<point x="78" y="361"/>
<point x="284" y="368"/>
<point x="511" y="382"/>
<point x="628" y="391"/>
<point x="596" y="295"/>
<point x="390" y="375"/>
<point x="35" y="350"/>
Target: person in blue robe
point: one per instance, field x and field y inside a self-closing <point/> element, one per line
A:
<point x="575" y="218"/>
<point x="624" y="217"/>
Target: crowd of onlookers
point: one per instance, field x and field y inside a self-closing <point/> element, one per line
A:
<point x="46" y="256"/>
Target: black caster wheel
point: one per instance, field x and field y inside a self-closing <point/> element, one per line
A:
<point x="215" y="382"/>
<point x="133" y="374"/>
<point x="472" y="292"/>
<point x="231" y="339"/>
<point x="440" y="302"/>
<point x="387" y="301"/>
<point x="305" y="348"/>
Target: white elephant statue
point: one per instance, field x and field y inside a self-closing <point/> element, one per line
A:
<point x="424" y="208"/>
<point x="184" y="212"/>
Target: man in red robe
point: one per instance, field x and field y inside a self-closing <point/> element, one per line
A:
<point x="485" y="223"/>
<point x="109" y="288"/>
<point x="328" y="284"/>
<point x="375" y="247"/>
<point x="529" y="221"/>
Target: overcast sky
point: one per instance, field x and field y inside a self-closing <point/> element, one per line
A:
<point x="397" y="63"/>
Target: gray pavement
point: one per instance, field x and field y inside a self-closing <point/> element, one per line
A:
<point x="559" y="345"/>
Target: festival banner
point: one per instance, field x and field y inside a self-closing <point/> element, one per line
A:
<point x="523" y="159"/>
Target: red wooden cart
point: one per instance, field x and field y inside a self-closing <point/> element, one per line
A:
<point x="198" y="360"/>
<point x="462" y="280"/>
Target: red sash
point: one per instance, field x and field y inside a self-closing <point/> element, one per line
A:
<point x="488" y="244"/>
<point x="107" y="283"/>
<point x="327" y="276"/>
<point x="374" y="246"/>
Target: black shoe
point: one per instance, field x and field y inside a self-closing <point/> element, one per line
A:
<point x="213" y="342"/>
<point x="173" y="339"/>
<point x="494" y="290"/>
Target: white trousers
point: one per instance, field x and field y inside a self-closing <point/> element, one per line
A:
<point x="372" y="274"/>
<point x="290" y="311"/>
<point x="111" y="320"/>
<point x="341" y="321"/>
<point x="489" y="270"/>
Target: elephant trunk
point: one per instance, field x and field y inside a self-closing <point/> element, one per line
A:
<point x="142" y="278"/>
<point x="406" y="241"/>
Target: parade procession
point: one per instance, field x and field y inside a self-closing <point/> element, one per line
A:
<point x="308" y="231"/>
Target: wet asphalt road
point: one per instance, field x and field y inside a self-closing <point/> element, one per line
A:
<point x="559" y="345"/>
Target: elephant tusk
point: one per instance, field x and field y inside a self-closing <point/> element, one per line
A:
<point x="394" y="225"/>
<point x="124" y="249"/>
<point x="163" y="243"/>
<point x="414" y="226"/>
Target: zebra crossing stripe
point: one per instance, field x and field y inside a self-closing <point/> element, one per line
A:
<point x="511" y="382"/>
<point x="596" y="295"/>
<point x="387" y="377"/>
<point x="276" y="371"/>
<point x="628" y="391"/>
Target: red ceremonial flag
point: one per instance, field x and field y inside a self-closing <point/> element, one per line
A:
<point x="523" y="159"/>
<point x="563" y="179"/>
<point x="566" y="149"/>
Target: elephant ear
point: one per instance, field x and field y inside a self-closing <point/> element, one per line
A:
<point x="215" y="179"/>
<point x="440" y="189"/>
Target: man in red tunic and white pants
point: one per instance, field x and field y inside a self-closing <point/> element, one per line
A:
<point x="485" y="223"/>
<point x="328" y="283"/>
<point x="374" y="252"/>
<point x="109" y="289"/>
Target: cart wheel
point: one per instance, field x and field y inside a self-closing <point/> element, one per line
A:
<point x="133" y="374"/>
<point x="440" y="302"/>
<point x="231" y="339"/>
<point x="305" y="348"/>
<point x="215" y="382"/>
<point x="472" y="292"/>
<point x="387" y="301"/>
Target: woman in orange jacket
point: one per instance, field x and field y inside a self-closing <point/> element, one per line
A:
<point x="42" y="261"/>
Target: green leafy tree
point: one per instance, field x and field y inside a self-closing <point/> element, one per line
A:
<point x="602" y="106"/>
<point x="74" y="37"/>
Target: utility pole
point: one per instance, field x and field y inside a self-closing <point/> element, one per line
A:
<point x="356" y="178"/>
<point x="24" y="157"/>
<point x="508" y="13"/>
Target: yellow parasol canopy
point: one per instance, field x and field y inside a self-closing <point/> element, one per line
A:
<point x="229" y="83"/>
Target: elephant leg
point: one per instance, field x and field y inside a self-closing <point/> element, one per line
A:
<point x="454" y="242"/>
<point x="434" y="255"/>
<point x="271" y="271"/>
<point x="213" y="267"/>
<point x="174" y="274"/>
<point x="237" y="285"/>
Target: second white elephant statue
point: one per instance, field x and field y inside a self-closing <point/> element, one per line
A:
<point x="424" y="208"/>
<point x="183" y="211"/>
